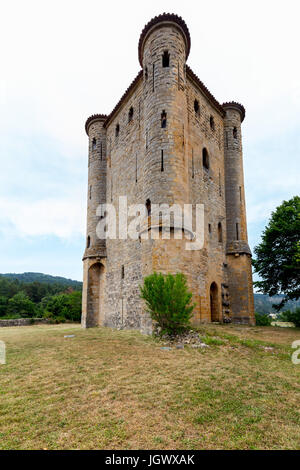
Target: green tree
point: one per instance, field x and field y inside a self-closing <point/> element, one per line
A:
<point x="3" y="305"/>
<point x="168" y="301"/>
<point x="278" y="255"/>
<point x="21" y="306"/>
<point x="63" y="306"/>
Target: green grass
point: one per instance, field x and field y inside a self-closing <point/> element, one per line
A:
<point x="107" y="389"/>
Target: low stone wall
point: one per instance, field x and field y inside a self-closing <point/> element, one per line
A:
<point x="23" y="321"/>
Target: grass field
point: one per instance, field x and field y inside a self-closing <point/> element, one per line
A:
<point x="106" y="389"/>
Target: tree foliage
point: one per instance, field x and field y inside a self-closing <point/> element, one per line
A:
<point x="278" y="255"/>
<point x="39" y="299"/>
<point x="168" y="301"/>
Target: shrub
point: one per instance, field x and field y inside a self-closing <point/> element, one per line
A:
<point x="291" y="316"/>
<point x="21" y="306"/>
<point x="168" y="302"/>
<point x="262" y="319"/>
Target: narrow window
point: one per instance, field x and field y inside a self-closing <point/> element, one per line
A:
<point x="209" y="228"/>
<point x="220" y="189"/>
<point x="240" y="189"/>
<point x="88" y="242"/>
<point x="117" y="130"/>
<point x="146" y="139"/>
<point x="136" y="169"/>
<point x="162" y="161"/>
<point x="235" y="134"/>
<point x="100" y="150"/>
<point x="197" y="107"/>
<point x="205" y="159"/>
<point x="164" y="119"/>
<point x="148" y="208"/>
<point x="237" y="231"/>
<point x="220" y="235"/>
<point x="166" y="59"/>
<point x="146" y="73"/>
<point x="193" y="169"/>
<point x="153" y="71"/>
<point x="94" y="144"/>
<point x="90" y="192"/>
<point x="212" y="123"/>
<point x="123" y="272"/>
<point x="130" y="114"/>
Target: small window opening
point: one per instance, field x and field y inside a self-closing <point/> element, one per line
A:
<point x="209" y="228"/>
<point x="205" y="159"/>
<point x="220" y="235"/>
<point x="212" y="123"/>
<point x="100" y="150"/>
<point x="237" y="231"/>
<point x="130" y="114"/>
<point x="90" y="195"/>
<point x="146" y="73"/>
<point x="88" y="242"/>
<point x="193" y="168"/>
<point x="94" y="144"/>
<point x="240" y="190"/>
<point x="123" y="272"/>
<point x="117" y="130"/>
<point x="148" y="208"/>
<point x="197" y="107"/>
<point x="166" y="59"/>
<point x="235" y="134"/>
<point x="164" y="119"/>
<point x="162" y="161"/>
<point x="153" y="77"/>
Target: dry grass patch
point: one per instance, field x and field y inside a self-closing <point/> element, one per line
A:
<point x="117" y="389"/>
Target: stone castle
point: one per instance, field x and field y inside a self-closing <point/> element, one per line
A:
<point x="168" y="141"/>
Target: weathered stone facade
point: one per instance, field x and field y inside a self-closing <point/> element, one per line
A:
<point x="168" y="141"/>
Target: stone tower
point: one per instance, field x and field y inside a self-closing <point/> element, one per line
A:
<point x="167" y="141"/>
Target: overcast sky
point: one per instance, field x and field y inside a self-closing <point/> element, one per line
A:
<point x="62" y="61"/>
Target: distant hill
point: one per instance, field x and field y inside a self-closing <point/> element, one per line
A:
<point x="43" y="278"/>
<point x="263" y="303"/>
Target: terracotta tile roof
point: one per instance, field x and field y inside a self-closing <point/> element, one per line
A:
<point x="205" y="90"/>
<point x="165" y="17"/>
<point x="124" y="96"/>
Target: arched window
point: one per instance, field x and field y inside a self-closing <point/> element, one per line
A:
<point x="88" y="242"/>
<point x="94" y="144"/>
<point x="117" y="130"/>
<point x="197" y="107"/>
<point x="205" y="159"/>
<point x="212" y="123"/>
<point x="130" y="114"/>
<point x="220" y="235"/>
<point x="166" y="59"/>
<point x="234" y="132"/>
<point x="164" y="119"/>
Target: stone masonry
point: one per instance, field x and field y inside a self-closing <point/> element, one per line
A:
<point x="168" y="141"/>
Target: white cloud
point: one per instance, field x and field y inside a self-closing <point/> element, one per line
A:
<point x="61" y="218"/>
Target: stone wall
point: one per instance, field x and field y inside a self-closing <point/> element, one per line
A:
<point x="147" y="161"/>
<point x="23" y="322"/>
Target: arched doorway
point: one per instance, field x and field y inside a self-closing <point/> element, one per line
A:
<point x="95" y="295"/>
<point x="214" y="302"/>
